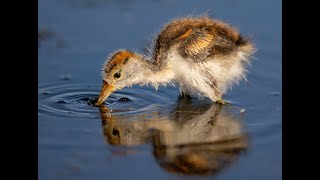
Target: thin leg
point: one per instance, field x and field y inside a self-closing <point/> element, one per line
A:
<point x="221" y="101"/>
<point x="185" y="95"/>
<point x="184" y="98"/>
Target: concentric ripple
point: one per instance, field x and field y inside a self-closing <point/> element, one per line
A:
<point x="78" y="100"/>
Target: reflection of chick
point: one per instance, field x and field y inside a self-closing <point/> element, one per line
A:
<point x="200" y="159"/>
<point x="195" y="139"/>
<point x="122" y="132"/>
<point x="198" y="125"/>
<point x="204" y="140"/>
<point x="119" y="130"/>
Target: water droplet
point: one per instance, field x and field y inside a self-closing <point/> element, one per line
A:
<point x="65" y="77"/>
<point x="45" y="92"/>
<point x="275" y="93"/>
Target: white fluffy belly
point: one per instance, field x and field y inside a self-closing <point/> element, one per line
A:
<point x="210" y="78"/>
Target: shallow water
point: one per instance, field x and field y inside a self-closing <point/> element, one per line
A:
<point x="142" y="133"/>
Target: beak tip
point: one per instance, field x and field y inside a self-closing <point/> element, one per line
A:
<point x="104" y="94"/>
<point x="99" y="101"/>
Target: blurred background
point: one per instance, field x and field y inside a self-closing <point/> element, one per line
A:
<point x="74" y="39"/>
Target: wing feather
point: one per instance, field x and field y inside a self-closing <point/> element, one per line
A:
<point x="198" y="44"/>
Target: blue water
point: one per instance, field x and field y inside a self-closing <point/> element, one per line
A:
<point x="155" y="135"/>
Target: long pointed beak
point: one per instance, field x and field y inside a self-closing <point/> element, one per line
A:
<point x="106" y="90"/>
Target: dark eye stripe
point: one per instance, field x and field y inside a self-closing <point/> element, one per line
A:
<point x="117" y="75"/>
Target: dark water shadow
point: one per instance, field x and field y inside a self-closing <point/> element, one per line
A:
<point x="93" y="4"/>
<point x="47" y="35"/>
<point x="195" y="139"/>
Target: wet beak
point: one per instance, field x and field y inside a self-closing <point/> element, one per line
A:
<point x="106" y="90"/>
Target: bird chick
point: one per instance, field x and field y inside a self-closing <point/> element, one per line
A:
<point x="200" y="54"/>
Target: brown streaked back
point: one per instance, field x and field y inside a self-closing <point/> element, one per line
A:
<point x="197" y="38"/>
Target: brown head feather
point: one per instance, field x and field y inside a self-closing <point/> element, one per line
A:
<point x="119" y="58"/>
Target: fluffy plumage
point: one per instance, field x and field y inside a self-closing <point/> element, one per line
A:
<point x="201" y="55"/>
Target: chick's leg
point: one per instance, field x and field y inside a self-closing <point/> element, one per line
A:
<point x="221" y="101"/>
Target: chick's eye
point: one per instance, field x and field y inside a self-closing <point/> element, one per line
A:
<point x="117" y="75"/>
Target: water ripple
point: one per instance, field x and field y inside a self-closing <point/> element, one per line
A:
<point x="78" y="100"/>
